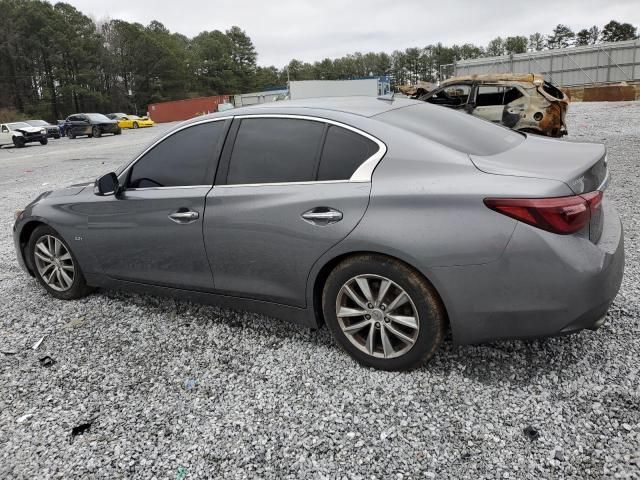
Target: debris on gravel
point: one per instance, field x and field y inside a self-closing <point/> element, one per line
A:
<point x="159" y="388"/>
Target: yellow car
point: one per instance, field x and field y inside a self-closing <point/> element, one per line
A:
<point x="132" y="121"/>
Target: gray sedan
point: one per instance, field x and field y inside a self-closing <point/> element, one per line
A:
<point x="388" y="220"/>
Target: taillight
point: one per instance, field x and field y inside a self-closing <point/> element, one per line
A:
<point x="561" y="215"/>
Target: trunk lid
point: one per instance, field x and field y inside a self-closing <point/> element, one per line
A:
<point x="581" y="166"/>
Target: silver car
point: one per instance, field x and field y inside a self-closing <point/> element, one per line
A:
<point x="388" y="220"/>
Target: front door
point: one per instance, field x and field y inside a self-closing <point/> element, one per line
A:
<point x="79" y="125"/>
<point x="283" y="200"/>
<point x="152" y="231"/>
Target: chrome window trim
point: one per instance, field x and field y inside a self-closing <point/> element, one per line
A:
<point x="178" y="187"/>
<point x="362" y="174"/>
<point x="274" y="184"/>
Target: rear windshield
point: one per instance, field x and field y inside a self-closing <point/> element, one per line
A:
<point x="457" y="130"/>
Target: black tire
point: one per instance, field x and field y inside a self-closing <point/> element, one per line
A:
<point x="70" y="134"/>
<point x="19" y="142"/>
<point x="96" y="132"/>
<point x="57" y="137"/>
<point x="44" y="141"/>
<point x="431" y="316"/>
<point x="118" y="132"/>
<point x="135" y="125"/>
<point x="78" y="288"/>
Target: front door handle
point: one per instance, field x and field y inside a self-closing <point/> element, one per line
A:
<point x="184" y="216"/>
<point x="322" y="216"/>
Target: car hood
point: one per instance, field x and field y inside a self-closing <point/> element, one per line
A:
<point x="29" y="129"/>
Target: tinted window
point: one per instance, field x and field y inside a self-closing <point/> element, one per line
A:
<point x="180" y="160"/>
<point x="453" y="129"/>
<point x="275" y="150"/>
<point x="344" y="151"/>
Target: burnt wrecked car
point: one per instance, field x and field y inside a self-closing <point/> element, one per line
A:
<point x="525" y="102"/>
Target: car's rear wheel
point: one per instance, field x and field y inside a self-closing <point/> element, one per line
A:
<point x="383" y="312"/>
<point x="19" y="142"/>
<point x="135" y="125"/>
<point x="118" y="131"/>
<point x="55" y="266"/>
<point x="96" y="132"/>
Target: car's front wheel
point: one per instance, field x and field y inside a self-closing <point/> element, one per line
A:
<point x="44" y="141"/>
<point x="96" y="132"/>
<point x="135" y="125"/>
<point x="55" y="266"/>
<point x="19" y="142"/>
<point x="383" y="312"/>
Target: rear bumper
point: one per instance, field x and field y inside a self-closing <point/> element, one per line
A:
<point x="543" y="285"/>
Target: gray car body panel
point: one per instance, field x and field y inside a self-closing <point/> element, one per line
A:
<point x="497" y="278"/>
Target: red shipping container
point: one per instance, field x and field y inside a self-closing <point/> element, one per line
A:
<point x="185" y="109"/>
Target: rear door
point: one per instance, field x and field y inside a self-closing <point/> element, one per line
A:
<point x="287" y="190"/>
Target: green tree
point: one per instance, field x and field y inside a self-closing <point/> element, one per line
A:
<point x="561" y="37"/>
<point x="516" y="44"/>
<point x="587" y="36"/>
<point x="496" y="47"/>
<point x="616" y="32"/>
<point x="537" y="42"/>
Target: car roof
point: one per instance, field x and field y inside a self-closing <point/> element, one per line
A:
<point x="357" y="105"/>
<point x="498" y="77"/>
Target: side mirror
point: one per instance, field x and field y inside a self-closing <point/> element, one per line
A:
<point x="107" y="185"/>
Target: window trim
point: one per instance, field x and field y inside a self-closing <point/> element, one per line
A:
<point x="362" y="174"/>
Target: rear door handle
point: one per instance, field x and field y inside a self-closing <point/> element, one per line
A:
<point x="322" y="216"/>
<point x="184" y="216"/>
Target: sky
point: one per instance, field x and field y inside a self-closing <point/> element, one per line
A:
<point x="311" y="30"/>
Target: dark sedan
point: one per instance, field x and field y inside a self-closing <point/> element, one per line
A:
<point x="53" y="131"/>
<point x="91" y="125"/>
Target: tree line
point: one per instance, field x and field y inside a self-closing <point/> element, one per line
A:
<point x="55" y="60"/>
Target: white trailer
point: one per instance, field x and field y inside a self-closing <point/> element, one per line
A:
<point x="333" y="88"/>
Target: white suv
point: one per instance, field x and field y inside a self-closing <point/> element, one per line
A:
<point x="21" y="133"/>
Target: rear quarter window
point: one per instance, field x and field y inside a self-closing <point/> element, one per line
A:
<point x="459" y="131"/>
<point x="344" y="151"/>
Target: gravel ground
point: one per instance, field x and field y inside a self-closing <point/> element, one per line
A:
<point x="147" y="387"/>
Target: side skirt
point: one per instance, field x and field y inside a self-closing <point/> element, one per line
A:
<point x="300" y="316"/>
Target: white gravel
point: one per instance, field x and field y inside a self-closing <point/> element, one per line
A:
<point x="177" y="390"/>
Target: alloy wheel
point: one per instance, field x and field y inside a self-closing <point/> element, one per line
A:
<point x="54" y="263"/>
<point x="377" y="316"/>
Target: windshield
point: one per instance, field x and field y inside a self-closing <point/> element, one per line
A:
<point x="456" y="130"/>
<point x="38" y="123"/>
<point x="15" y="125"/>
<point x="97" y="117"/>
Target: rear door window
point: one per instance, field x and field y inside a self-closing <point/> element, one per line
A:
<point x="344" y="151"/>
<point x="275" y="150"/>
<point x="186" y="158"/>
<point x="496" y="95"/>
